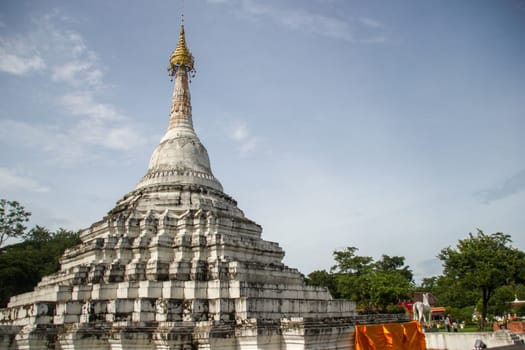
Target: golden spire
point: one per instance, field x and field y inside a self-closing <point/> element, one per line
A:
<point x="181" y="56"/>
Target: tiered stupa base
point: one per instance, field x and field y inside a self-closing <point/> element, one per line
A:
<point x="150" y="278"/>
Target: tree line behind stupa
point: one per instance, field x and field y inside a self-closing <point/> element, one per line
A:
<point x="482" y="273"/>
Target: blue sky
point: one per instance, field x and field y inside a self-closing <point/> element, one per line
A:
<point x="396" y="127"/>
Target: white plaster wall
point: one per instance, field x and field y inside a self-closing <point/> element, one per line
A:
<point x="465" y="341"/>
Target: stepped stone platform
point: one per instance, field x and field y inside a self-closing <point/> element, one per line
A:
<point x="177" y="265"/>
<point x="501" y="340"/>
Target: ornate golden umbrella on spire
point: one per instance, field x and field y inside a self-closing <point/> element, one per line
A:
<point x="181" y="56"/>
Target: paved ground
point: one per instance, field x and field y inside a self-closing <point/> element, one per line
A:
<point x="509" y="347"/>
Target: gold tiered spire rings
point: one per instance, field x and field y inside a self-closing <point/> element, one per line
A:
<point x="181" y="56"/>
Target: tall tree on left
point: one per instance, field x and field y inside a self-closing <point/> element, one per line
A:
<point x="13" y="216"/>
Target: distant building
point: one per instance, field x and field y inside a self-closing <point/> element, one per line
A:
<point x="516" y="302"/>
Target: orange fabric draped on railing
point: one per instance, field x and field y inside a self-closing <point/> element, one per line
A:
<point x="390" y="336"/>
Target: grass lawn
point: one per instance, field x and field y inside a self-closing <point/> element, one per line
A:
<point x="468" y="328"/>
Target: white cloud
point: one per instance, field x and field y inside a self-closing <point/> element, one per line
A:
<point x="97" y="132"/>
<point x="300" y="20"/>
<point x="83" y="103"/>
<point x="374" y="40"/>
<point x="241" y="134"/>
<point x="55" y="144"/>
<point x="253" y="7"/>
<point x="317" y="24"/>
<point x="18" y="58"/>
<point x="74" y="144"/>
<point x="58" y="52"/>
<point x="371" y="23"/>
<point x="11" y="180"/>
<point x="78" y="73"/>
<point x="65" y="59"/>
<point x="100" y="124"/>
<point x="308" y="21"/>
<point x="512" y="185"/>
<point x="52" y="49"/>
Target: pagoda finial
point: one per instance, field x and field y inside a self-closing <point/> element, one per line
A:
<point x="181" y="56"/>
<point x="182" y="12"/>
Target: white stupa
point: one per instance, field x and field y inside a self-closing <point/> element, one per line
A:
<point x="176" y="265"/>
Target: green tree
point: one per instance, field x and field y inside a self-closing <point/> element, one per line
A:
<point x="461" y="314"/>
<point x="353" y="276"/>
<point x="12" y="219"/>
<point x="388" y="288"/>
<point x="428" y="284"/>
<point x="449" y="292"/>
<point x="325" y="279"/>
<point x="22" y="265"/>
<point x="348" y="262"/>
<point x="39" y="234"/>
<point x="483" y="263"/>
<point x="394" y="264"/>
<point x="499" y="304"/>
<point x="373" y="285"/>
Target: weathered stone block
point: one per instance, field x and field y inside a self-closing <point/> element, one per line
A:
<point x="150" y="289"/>
<point x="81" y="292"/>
<point x="127" y="290"/>
<point x="173" y="290"/>
<point x="104" y="291"/>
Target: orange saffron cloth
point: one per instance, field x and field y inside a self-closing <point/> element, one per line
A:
<point x="390" y="336"/>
